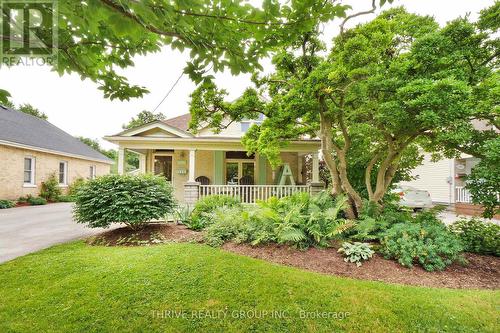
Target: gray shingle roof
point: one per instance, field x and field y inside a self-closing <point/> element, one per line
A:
<point x="21" y="128"/>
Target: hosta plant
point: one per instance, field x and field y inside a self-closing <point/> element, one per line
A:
<point x="356" y="252"/>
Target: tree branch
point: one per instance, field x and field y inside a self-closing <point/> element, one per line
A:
<point x="372" y="10"/>
<point x="118" y="8"/>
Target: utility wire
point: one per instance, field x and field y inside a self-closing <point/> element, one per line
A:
<point x="169" y="91"/>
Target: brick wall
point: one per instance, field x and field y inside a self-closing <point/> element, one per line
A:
<point x="12" y="170"/>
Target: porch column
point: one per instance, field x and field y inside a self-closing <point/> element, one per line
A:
<point x="316" y="186"/>
<point x="192" y="161"/>
<point x="142" y="163"/>
<point x="299" y="169"/>
<point x="191" y="188"/>
<point x="315" y="168"/>
<point x="121" y="160"/>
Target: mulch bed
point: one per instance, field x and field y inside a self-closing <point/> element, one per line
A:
<point x="127" y="237"/>
<point x="482" y="272"/>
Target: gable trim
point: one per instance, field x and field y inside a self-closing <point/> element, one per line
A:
<point x="156" y="124"/>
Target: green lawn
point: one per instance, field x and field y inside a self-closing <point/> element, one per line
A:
<point x="79" y="288"/>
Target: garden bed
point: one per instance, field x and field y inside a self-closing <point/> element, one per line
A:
<point x="481" y="272"/>
<point x="150" y="234"/>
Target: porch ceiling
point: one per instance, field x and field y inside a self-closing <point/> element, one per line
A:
<point x="204" y="143"/>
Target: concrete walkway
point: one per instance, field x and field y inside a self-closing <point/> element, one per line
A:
<point x="450" y="217"/>
<point x="28" y="229"/>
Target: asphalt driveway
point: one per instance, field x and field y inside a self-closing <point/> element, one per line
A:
<point x="28" y="229"/>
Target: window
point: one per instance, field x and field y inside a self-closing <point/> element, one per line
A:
<point x="63" y="173"/>
<point x="29" y="171"/>
<point x="235" y="170"/>
<point x="244" y="127"/>
<point x="239" y="155"/>
<point x="247" y="123"/>
<point x="92" y="172"/>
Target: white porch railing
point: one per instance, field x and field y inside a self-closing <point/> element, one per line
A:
<point x="462" y="195"/>
<point x="252" y="193"/>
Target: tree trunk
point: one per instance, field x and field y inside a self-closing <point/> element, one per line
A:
<point x="338" y="170"/>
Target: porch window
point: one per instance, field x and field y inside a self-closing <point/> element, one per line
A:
<point x="235" y="170"/>
<point x="163" y="166"/>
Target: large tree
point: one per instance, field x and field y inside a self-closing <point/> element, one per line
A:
<point x="386" y="88"/>
<point x="98" y="37"/>
<point x="143" y="118"/>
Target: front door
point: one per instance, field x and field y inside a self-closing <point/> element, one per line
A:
<point x="163" y="166"/>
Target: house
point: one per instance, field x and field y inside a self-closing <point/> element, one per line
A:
<point x="207" y="163"/>
<point x="31" y="149"/>
<point x="445" y="179"/>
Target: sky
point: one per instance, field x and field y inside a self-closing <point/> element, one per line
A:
<point x="80" y="109"/>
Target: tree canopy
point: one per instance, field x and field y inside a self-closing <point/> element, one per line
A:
<point x="143" y="118"/>
<point x="386" y="90"/>
<point x="27" y="108"/>
<point x="99" y="37"/>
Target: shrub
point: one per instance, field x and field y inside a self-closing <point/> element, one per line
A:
<point x="6" y="204"/>
<point x="242" y="225"/>
<point x="356" y="252"/>
<point x="132" y="200"/>
<point x="374" y="223"/>
<point x="36" y="201"/>
<point x="306" y="220"/>
<point x="200" y="217"/>
<point x="75" y="185"/>
<point x="25" y="198"/>
<point x="478" y="236"/>
<point x="66" y="198"/>
<point x="50" y="188"/>
<point x="299" y="220"/>
<point x="429" y="244"/>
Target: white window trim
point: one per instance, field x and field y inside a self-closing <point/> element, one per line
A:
<point x="32" y="183"/>
<point x="65" y="184"/>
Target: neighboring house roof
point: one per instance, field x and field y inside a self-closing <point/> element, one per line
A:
<point x="30" y="132"/>
<point x="180" y="122"/>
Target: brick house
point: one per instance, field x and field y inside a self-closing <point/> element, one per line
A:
<point x="31" y="149"/>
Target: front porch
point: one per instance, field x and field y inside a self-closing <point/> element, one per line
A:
<point x="196" y="171"/>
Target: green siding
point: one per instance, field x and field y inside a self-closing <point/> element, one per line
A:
<point x="218" y="167"/>
<point x="262" y="170"/>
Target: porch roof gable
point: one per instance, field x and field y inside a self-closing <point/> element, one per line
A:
<point x="159" y="125"/>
